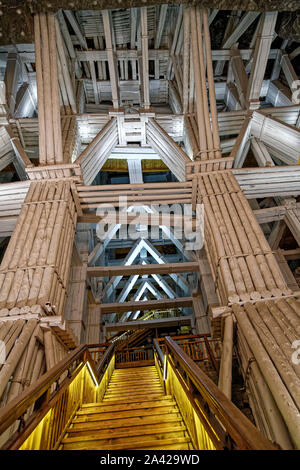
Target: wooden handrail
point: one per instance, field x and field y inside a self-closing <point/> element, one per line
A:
<point x="241" y="431"/>
<point x="18" y="406"/>
<point x="98" y="345"/>
<point x="183" y="337"/>
<point x="159" y="352"/>
<point x="105" y="360"/>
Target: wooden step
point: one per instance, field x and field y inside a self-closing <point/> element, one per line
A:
<point x="128" y="406"/>
<point x="134" y="381"/>
<point x="133" y="392"/>
<point x="144" y="375"/>
<point x="135" y="371"/>
<point x="115" y="433"/>
<point x="118" y="423"/>
<point x="134" y="414"/>
<point x="137" y="399"/>
<point x="134" y="386"/>
<point x="143" y="398"/>
<point x="136" y="374"/>
<point x="125" y="399"/>
<point x="132" y="370"/>
<point x="108" y="415"/>
<point x="176" y="446"/>
<point x="129" y="443"/>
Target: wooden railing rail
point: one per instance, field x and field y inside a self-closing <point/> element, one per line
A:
<point x="102" y="365"/>
<point x="134" y="356"/>
<point x="46" y="391"/>
<point x="201" y="347"/>
<point x="159" y="354"/>
<point x="97" y="351"/>
<point x="225" y="424"/>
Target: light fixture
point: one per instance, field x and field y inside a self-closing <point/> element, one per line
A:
<point x="165" y="368"/>
<point x="92" y="374"/>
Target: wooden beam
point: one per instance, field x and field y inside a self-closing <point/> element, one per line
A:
<point x="235" y="34"/>
<point x="67" y="78"/>
<point x="261" y="153"/>
<point x="240" y="76"/>
<point x="112" y="65"/>
<point x="291" y="254"/>
<point x="68" y="42"/>
<point x="295" y="53"/>
<point x="289" y="71"/>
<point x="186" y="58"/>
<point x="260" y="58"/>
<point x="138" y="219"/>
<point x="133" y="306"/>
<point x="145" y="58"/>
<point x="72" y="19"/>
<point x="18" y="148"/>
<point x="161" y="24"/>
<point x="159" y="323"/>
<point x="270" y="214"/>
<point x="242" y="26"/>
<point x="175" y="39"/>
<point x="12" y="72"/>
<point x="169" y="268"/>
<point x="94" y="79"/>
<point x="269" y="181"/>
<point x="242" y="144"/>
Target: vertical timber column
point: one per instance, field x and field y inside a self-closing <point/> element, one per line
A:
<point x="186" y="58"/>
<point x="12" y="71"/>
<point x="50" y="139"/>
<point x="242" y="263"/>
<point x="35" y="269"/>
<point x="225" y="375"/>
<point x="70" y="138"/>
<point x="251" y="288"/>
<point x="260" y="59"/>
<point x="112" y="65"/>
<point x="145" y="58"/>
<point x="76" y="306"/>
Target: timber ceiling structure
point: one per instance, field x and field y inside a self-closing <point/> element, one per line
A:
<point x="110" y="116"/>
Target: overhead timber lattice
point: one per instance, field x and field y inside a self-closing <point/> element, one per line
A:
<point x="91" y="249"/>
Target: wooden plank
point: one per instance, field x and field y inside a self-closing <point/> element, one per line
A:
<point x="133" y="306"/>
<point x="137" y="325"/>
<point x="102" y="271"/>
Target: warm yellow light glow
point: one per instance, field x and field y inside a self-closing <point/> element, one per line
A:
<point x="165" y="367"/>
<point x="92" y="374"/>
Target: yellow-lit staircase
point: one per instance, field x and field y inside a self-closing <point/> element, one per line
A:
<point x="134" y="414"/>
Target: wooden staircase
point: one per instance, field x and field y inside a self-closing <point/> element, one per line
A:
<point x="134" y="414"/>
<point x="135" y="339"/>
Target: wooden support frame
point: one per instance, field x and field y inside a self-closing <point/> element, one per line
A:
<point x="103" y="271"/>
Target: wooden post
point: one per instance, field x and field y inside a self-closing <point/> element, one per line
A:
<point x="225" y="373"/>
<point x="271" y="375"/>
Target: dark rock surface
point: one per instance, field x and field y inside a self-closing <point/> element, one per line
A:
<point x="16" y="24"/>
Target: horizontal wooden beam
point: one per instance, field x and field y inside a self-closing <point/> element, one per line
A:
<point x="291" y="254"/>
<point x="270" y="214"/>
<point x="169" y="220"/>
<point x="133" y="306"/>
<point x="131" y="54"/>
<point x="169" y="268"/>
<point x="154" y="54"/>
<point x="159" y="323"/>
